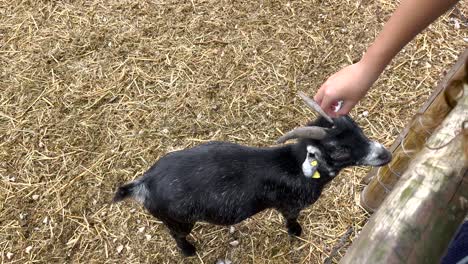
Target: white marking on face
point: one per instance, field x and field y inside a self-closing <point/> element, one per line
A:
<point x="307" y="168"/>
<point x="313" y="153"/>
<point x="313" y="150"/>
<point x="372" y="158"/>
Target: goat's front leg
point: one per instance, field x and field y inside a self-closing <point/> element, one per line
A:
<point x="291" y="215"/>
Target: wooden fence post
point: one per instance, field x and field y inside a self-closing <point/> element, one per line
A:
<point x="418" y="219"/>
<point x="382" y="180"/>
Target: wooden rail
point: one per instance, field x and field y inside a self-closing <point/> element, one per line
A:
<point x="418" y="219"/>
<point x="381" y="181"/>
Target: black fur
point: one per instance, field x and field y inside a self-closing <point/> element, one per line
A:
<point x="224" y="183"/>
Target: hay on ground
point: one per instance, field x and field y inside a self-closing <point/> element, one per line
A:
<point x="93" y="92"/>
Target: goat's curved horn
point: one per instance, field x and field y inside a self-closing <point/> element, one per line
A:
<point x="312" y="132"/>
<point x="313" y="105"/>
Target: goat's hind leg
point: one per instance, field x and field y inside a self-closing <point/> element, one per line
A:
<point x="179" y="231"/>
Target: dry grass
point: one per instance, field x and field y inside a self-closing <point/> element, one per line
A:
<point x="93" y="92"/>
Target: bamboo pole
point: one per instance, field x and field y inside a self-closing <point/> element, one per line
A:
<point x="418" y="219"/>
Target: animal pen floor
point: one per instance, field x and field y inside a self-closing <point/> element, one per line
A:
<point x="93" y="92"/>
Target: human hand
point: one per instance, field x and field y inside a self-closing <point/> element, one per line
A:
<point x="348" y="85"/>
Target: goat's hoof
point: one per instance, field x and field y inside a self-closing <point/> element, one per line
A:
<point x="294" y="229"/>
<point x="188" y="250"/>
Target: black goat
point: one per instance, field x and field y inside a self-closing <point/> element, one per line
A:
<point x="224" y="183"/>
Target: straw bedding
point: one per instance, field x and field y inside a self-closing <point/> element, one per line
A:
<point x="93" y="92"/>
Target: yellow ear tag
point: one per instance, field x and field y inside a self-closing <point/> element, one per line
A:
<point x="316" y="175"/>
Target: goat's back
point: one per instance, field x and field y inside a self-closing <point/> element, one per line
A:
<point x="219" y="179"/>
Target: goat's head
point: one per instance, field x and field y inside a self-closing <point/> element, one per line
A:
<point x="339" y="142"/>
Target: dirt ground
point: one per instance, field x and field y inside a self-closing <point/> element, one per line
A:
<point x="93" y="92"/>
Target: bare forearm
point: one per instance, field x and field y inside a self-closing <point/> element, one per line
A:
<point x="410" y="18"/>
<point x="351" y="83"/>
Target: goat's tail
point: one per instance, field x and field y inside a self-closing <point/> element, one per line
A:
<point x="136" y="189"/>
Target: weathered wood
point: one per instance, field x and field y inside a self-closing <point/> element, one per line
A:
<point x="454" y="73"/>
<point x="419" y="129"/>
<point x="465" y="141"/>
<point x="418" y="219"/>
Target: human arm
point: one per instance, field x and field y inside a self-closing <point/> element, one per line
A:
<point x="352" y="83"/>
